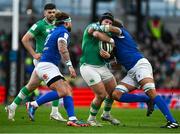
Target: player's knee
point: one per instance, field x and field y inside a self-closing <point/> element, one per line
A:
<point x="101" y="96"/>
<point x="116" y="94"/>
<point x="148" y="87"/>
<point x="119" y="90"/>
<point x="69" y="91"/>
<point x="63" y="92"/>
<point x="31" y="87"/>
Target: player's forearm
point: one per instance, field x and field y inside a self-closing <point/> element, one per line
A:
<point x="28" y="46"/>
<point x="115" y="30"/>
<point x="103" y="37"/>
<point x="62" y="46"/>
<point x="106" y="29"/>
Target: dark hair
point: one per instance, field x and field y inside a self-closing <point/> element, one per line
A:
<point x="118" y="23"/>
<point x="106" y="15"/>
<point x="60" y="17"/>
<point x="49" y="6"/>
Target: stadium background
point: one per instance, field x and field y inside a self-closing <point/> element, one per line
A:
<point x="163" y="51"/>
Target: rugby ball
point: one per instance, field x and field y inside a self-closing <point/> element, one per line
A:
<point x="105" y="46"/>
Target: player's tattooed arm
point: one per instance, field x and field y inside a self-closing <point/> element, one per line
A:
<point x="63" y="50"/>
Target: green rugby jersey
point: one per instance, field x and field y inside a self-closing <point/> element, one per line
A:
<point x="39" y="31"/>
<point x="91" y="50"/>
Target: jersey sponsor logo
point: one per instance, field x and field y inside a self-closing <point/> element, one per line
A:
<point x="34" y="27"/>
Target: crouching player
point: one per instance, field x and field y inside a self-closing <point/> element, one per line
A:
<point x="54" y="51"/>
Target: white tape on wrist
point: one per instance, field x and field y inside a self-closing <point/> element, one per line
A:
<point x="69" y="63"/>
<point x="111" y="41"/>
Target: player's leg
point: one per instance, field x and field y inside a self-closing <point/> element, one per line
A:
<point x="33" y="83"/>
<point x="50" y="96"/>
<point x="41" y="73"/>
<point x="55" y="114"/>
<point x="126" y="85"/>
<point x="149" y="87"/>
<point x="145" y="78"/>
<point x="93" y="79"/>
<point x="69" y="107"/>
<point x="100" y="94"/>
<point x="54" y="79"/>
<point x="63" y="90"/>
<point x="110" y="84"/>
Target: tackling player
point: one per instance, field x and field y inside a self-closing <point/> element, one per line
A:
<point x="38" y="32"/>
<point x="139" y="73"/>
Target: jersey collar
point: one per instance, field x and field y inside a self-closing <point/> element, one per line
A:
<point x="48" y="21"/>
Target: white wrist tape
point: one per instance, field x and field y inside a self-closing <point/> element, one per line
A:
<point x="111" y="41"/>
<point x="69" y="63"/>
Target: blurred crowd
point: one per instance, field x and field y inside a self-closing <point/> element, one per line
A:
<point x="161" y="48"/>
<point x="5" y="41"/>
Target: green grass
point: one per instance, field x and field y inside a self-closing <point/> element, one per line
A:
<point x="132" y="121"/>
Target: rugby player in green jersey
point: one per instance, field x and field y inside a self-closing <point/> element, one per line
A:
<point x="95" y="72"/>
<point x="37" y="32"/>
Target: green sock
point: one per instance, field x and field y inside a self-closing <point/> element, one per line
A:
<point x="108" y="105"/>
<point x="94" y="109"/>
<point x="24" y="92"/>
<point x="55" y="103"/>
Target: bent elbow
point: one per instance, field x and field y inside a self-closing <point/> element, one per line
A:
<point x="96" y="34"/>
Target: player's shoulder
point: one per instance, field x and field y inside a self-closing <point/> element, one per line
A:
<point x="61" y="30"/>
<point x="89" y="26"/>
<point x="37" y="25"/>
<point x="93" y="24"/>
<point x="40" y="22"/>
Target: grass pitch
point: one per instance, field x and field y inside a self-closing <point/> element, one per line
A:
<point x="132" y="121"/>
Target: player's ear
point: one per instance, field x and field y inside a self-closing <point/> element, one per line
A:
<point x="44" y="13"/>
<point x="66" y="24"/>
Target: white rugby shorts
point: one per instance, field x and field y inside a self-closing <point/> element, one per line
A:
<point x="94" y="74"/>
<point x="47" y="71"/>
<point x="141" y="70"/>
<point x="35" y="62"/>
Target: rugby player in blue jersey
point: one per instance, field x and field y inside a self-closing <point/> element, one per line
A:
<point x="139" y="71"/>
<point x="54" y="51"/>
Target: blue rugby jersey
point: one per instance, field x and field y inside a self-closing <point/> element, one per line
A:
<point x="50" y="51"/>
<point x="126" y="52"/>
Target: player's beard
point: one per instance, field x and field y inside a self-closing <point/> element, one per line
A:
<point x="51" y="19"/>
<point x="69" y="29"/>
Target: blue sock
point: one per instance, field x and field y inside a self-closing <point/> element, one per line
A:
<point x="69" y="105"/>
<point x="163" y="108"/>
<point x="50" y="96"/>
<point x="134" y="98"/>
